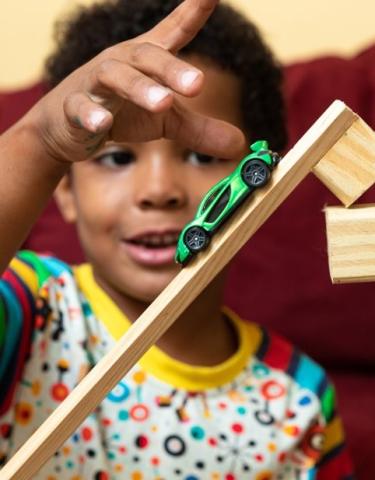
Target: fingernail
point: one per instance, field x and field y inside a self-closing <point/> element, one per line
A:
<point x="188" y="78"/>
<point x="157" y="94"/>
<point x="96" y="117"/>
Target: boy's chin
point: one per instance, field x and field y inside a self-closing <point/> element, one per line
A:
<point x="145" y="297"/>
<point x="151" y="288"/>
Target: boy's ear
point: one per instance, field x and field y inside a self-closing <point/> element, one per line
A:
<point x="64" y="198"/>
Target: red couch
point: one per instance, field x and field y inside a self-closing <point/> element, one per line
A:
<point x="284" y="268"/>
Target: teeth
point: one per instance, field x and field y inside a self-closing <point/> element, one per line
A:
<point x="170" y="238"/>
<point x="158" y="240"/>
<point x="154" y="240"/>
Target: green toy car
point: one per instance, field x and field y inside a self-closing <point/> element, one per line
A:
<point x="222" y="199"/>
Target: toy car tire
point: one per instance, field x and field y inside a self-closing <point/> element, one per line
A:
<point x="255" y="173"/>
<point x="196" y="239"/>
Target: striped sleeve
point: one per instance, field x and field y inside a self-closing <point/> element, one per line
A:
<point x="18" y="288"/>
<point x="324" y="442"/>
<point x="322" y="450"/>
<point x="335" y="462"/>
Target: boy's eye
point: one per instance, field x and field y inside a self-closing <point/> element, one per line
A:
<point x="116" y="159"/>
<point x="196" y="158"/>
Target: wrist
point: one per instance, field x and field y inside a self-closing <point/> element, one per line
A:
<point x="25" y="141"/>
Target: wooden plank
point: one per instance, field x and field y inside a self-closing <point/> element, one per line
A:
<point x="348" y="169"/>
<point x="351" y="243"/>
<point x="185" y="287"/>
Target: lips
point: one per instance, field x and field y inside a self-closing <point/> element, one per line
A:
<point x="152" y="248"/>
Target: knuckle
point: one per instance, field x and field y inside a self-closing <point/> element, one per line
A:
<point x="108" y="52"/>
<point x="135" y="81"/>
<point x="140" y="51"/>
<point x="71" y="104"/>
<point x="69" y="100"/>
<point x="172" y="68"/>
<point x="104" y="68"/>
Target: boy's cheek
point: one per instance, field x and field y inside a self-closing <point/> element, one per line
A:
<point x="99" y="196"/>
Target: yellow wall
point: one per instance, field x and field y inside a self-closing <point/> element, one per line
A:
<point x="295" y="29"/>
<point x="299" y="29"/>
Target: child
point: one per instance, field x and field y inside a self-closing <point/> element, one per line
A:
<point x="217" y="397"/>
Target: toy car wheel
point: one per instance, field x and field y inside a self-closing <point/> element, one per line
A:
<point x="255" y="173"/>
<point x="196" y="239"/>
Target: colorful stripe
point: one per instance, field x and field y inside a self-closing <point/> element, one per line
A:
<point x="13" y="321"/>
<point x="334" y="435"/>
<point x="17" y="286"/>
<point x="37" y="267"/>
<point x="308" y="374"/>
<point x="55" y="267"/>
<point x="278" y="352"/>
<point x="2" y="325"/>
<point x="328" y="400"/>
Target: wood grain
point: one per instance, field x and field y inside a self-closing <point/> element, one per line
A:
<point x="319" y="139"/>
<point x="348" y="169"/>
<point x="351" y="243"/>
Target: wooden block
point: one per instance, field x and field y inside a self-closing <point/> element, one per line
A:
<point x="351" y="243"/>
<point x="184" y="288"/>
<point x="348" y="169"/>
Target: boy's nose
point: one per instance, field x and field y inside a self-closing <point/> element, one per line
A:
<point x="160" y="186"/>
<point x="160" y="200"/>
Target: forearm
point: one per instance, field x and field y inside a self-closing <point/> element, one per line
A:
<point x="28" y="178"/>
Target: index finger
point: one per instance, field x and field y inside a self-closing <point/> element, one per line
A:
<point x="181" y="25"/>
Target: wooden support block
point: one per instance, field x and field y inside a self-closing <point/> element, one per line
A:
<point x="351" y="243"/>
<point x="348" y="169"/>
<point x="184" y="288"/>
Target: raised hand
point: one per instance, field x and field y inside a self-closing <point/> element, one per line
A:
<point x="128" y="93"/>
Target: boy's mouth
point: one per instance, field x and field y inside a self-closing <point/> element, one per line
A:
<point x="152" y="248"/>
<point x="154" y="240"/>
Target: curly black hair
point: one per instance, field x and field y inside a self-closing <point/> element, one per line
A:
<point x="228" y="39"/>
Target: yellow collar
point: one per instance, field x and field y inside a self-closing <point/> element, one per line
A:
<point x="155" y="361"/>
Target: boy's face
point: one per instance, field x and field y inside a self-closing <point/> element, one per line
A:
<point x="131" y="201"/>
